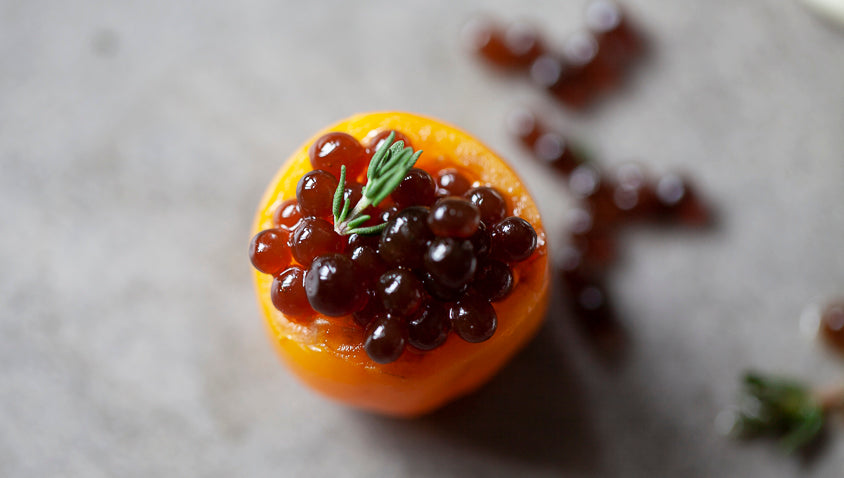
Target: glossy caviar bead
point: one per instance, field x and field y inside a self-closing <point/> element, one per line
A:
<point x="451" y="262"/>
<point x="379" y="138"/>
<point x="490" y="203"/>
<point x="353" y="192"/>
<point x="416" y="189"/>
<point x="312" y="237"/>
<point x="406" y="237"/>
<point x="268" y="251"/>
<point x="288" y="295"/>
<point x="493" y="280"/>
<point x="389" y="213"/>
<point x="454" y="217"/>
<point x="473" y="318"/>
<point x="832" y="325"/>
<point x="315" y="193"/>
<point x="451" y="182"/>
<point x="287" y="215"/>
<point x="440" y="291"/>
<point x="512" y="240"/>
<point x="480" y="241"/>
<point x="386" y="338"/>
<point x="333" y="150"/>
<point x="369" y="264"/>
<point x="373" y="308"/>
<point x="333" y="286"/>
<point x="356" y="240"/>
<point x="429" y="328"/>
<point x="400" y="292"/>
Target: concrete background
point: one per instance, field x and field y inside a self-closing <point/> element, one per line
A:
<point x="137" y="137"/>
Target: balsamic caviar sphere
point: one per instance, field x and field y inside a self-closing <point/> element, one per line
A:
<point x="369" y="264"/>
<point x="379" y="139"/>
<point x="440" y="291"/>
<point x="451" y="182"/>
<point x="451" y="262"/>
<point x="493" y="280"/>
<point x="512" y="240"/>
<point x="315" y="193"/>
<point x="386" y="337"/>
<point x="268" y="251"/>
<point x="480" y="241"/>
<point x="288" y="294"/>
<point x="287" y="215"/>
<point x="335" y="149"/>
<point x="400" y="292"/>
<point x="489" y="202"/>
<point x="416" y="189"/>
<point x="429" y="328"/>
<point x="371" y="310"/>
<point x="333" y="287"/>
<point x="454" y="217"/>
<point x="473" y="318"/>
<point x="406" y="237"/>
<point x="312" y="237"/>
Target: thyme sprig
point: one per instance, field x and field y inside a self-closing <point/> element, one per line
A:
<point x="389" y="165"/>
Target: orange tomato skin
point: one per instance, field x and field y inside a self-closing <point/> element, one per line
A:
<point x="328" y="354"/>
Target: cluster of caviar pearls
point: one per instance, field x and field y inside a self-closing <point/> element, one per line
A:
<point x="446" y="254"/>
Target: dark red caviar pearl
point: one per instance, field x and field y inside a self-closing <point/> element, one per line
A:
<point x="512" y="240"/>
<point x="429" y="328"/>
<point x="336" y="149"/>
<point x="288" y="295"/>
<point x="268" y="251"/>
<point x="386" y="338"/>
<point x="490" y="203"/>
<point x="312" y="237"/>
<point x="620" y="43"/>
<point x="379" y="138"/>
<point x="454" y="217"/>
<point x="315" y="193"/>
<point x="406" y="237"/>
<point x="553" y="150"/>
<point x="287" y="214"/>
<point x="440" y="291"/>
<point x="493" y="280"/>
<point x="400" y="291"/>
<point x="416" y="189"/>
<point x="451" y="182"/>
<point x="473" y="318"/>
<point x="353" y="192"/>
<point x="676" y="199"/>
<point x="373" y="308"/>
<point x="832" y="325"/>
<point x="356" y="240"/>
<point x="480" y="241"/>
<point x="333" y="286"/>
<point x="451" y="262"/>
<point x="369" y="264"/>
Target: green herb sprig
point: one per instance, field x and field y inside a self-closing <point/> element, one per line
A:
<point x="780" y="407"/>
<point x="389" y="165"/>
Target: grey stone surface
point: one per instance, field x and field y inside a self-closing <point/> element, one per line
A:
<point x="137" y="137"/>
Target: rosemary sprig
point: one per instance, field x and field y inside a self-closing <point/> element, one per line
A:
<point x="775" y="406"/>
<point x="389" y="165"/>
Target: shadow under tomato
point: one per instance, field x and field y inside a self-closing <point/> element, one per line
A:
<point x="533" y="411"/>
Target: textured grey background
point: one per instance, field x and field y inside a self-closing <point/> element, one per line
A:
<point x="137" y="137"/>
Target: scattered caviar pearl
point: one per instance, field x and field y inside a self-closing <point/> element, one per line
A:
<point x="451" y="262"/>
<point x="333" y="286"/>
<point x="490" y="203"/>
<point x="440" y="291"/>
<point x="416" y="189"/>
<point x="454" y="217"/>
<point x="473" y="318"/>
<point x="832" y="325"/>
<point x="288" y="295"/>
<point x="400" y="292"/>
<point x="493" y="280"/>
<point x="379" y="139"/>
<point x="268" y="251"/>
<point x="405" y="239"/>
<point x="429" y="328"/>
<point x="450" y="182"/>
<point x="512" y="240"/>
<point x="480" y="241"/>
<point x="522" y="124"/>
<point x="315" y="193"/>
<point x="287" y="215"/>
<point x="386" y="338"/>
<point x="335" y="149"/>
<point x="312" y="237"/>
